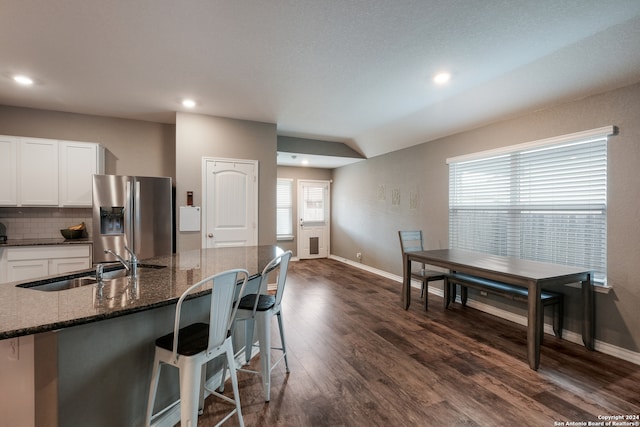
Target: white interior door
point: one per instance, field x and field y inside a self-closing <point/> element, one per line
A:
<point x="313" y="219"/>
<point x="230" y="203"/>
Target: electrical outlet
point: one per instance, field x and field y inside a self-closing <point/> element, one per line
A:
<point x="14" y="349"/>
<point x="484" y="293"/>
<point x="359" y="255"/>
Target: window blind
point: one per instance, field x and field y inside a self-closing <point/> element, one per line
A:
<point x="542" y="202"/>
<point x="284" y="208"/>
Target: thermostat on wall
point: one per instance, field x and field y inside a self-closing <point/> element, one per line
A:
<point x="189" y="218"/>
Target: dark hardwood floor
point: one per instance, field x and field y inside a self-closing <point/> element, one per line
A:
<point x="358" y="359"/>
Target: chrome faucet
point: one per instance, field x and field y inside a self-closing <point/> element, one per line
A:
<point x="131" y="265"/>
<point x="99" y="272"/>
<point x="133" y="262"/>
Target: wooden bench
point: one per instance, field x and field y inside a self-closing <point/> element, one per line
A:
<point x="512" y="292"/>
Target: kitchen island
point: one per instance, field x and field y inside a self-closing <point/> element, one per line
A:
<point x="93" y="350"/>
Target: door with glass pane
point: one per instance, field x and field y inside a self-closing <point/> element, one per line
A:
<point x="313" y="219"/>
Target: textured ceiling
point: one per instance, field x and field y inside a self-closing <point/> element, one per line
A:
<point x="340" y="70"/>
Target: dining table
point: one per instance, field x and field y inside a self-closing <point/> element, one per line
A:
<point x="532" y="275"/>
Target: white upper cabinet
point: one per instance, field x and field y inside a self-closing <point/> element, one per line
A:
<point x="79" y="161"/>
<point x="38" y="172"/>
<point x="48" y="172"/>
<point x="8" y="174"/>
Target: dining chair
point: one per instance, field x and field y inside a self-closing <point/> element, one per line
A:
<point x="189" y="349"/>
<point x="257" y="310"/>
<point x="411" y="241"/>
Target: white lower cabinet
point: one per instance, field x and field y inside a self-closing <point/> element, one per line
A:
<point x="31" y="262"/>
<point x="28" y="269"/>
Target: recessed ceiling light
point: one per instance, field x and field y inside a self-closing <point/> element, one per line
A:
<point x="23" y="80"/>
<point x="441" y="78"/>
<point x="305" y="162"/>
<point x="189" y="103"/>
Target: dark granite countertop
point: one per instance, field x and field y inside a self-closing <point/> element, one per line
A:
<point x="26" y="311"/>
<point x="43" y="242"/>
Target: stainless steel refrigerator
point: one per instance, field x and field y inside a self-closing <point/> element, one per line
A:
<point x="134" y="211"/>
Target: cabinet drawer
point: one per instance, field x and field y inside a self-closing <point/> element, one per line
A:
<point x="26" y="270"/>
<point x="67" y="265"/>
<point x="48" y="252"/>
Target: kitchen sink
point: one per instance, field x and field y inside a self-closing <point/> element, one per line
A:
<point x="84" y="279"/>
<point x="62" y="284"/>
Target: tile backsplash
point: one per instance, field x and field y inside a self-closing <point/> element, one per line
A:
<point x="43" y="223"/>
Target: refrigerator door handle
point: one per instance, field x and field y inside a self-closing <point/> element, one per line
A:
<point x="128" y="212"/>
<point x="136" y="218"/>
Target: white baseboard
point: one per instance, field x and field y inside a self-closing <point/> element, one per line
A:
<point x="601" y="346"/>
<point x="367" y="268"/>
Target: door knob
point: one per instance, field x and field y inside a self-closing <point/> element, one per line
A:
<point x="210" y="235"/>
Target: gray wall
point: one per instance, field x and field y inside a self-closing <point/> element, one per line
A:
<point x="297" y="173"/>
<point x="134" y="147"/>
<point x="199" y="136"/>
<point x="155" y="149"/>
<point x="365" y="219"/>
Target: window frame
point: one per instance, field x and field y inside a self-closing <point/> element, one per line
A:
<point x="504" y="212"/>
<point x="288" y="207"/>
